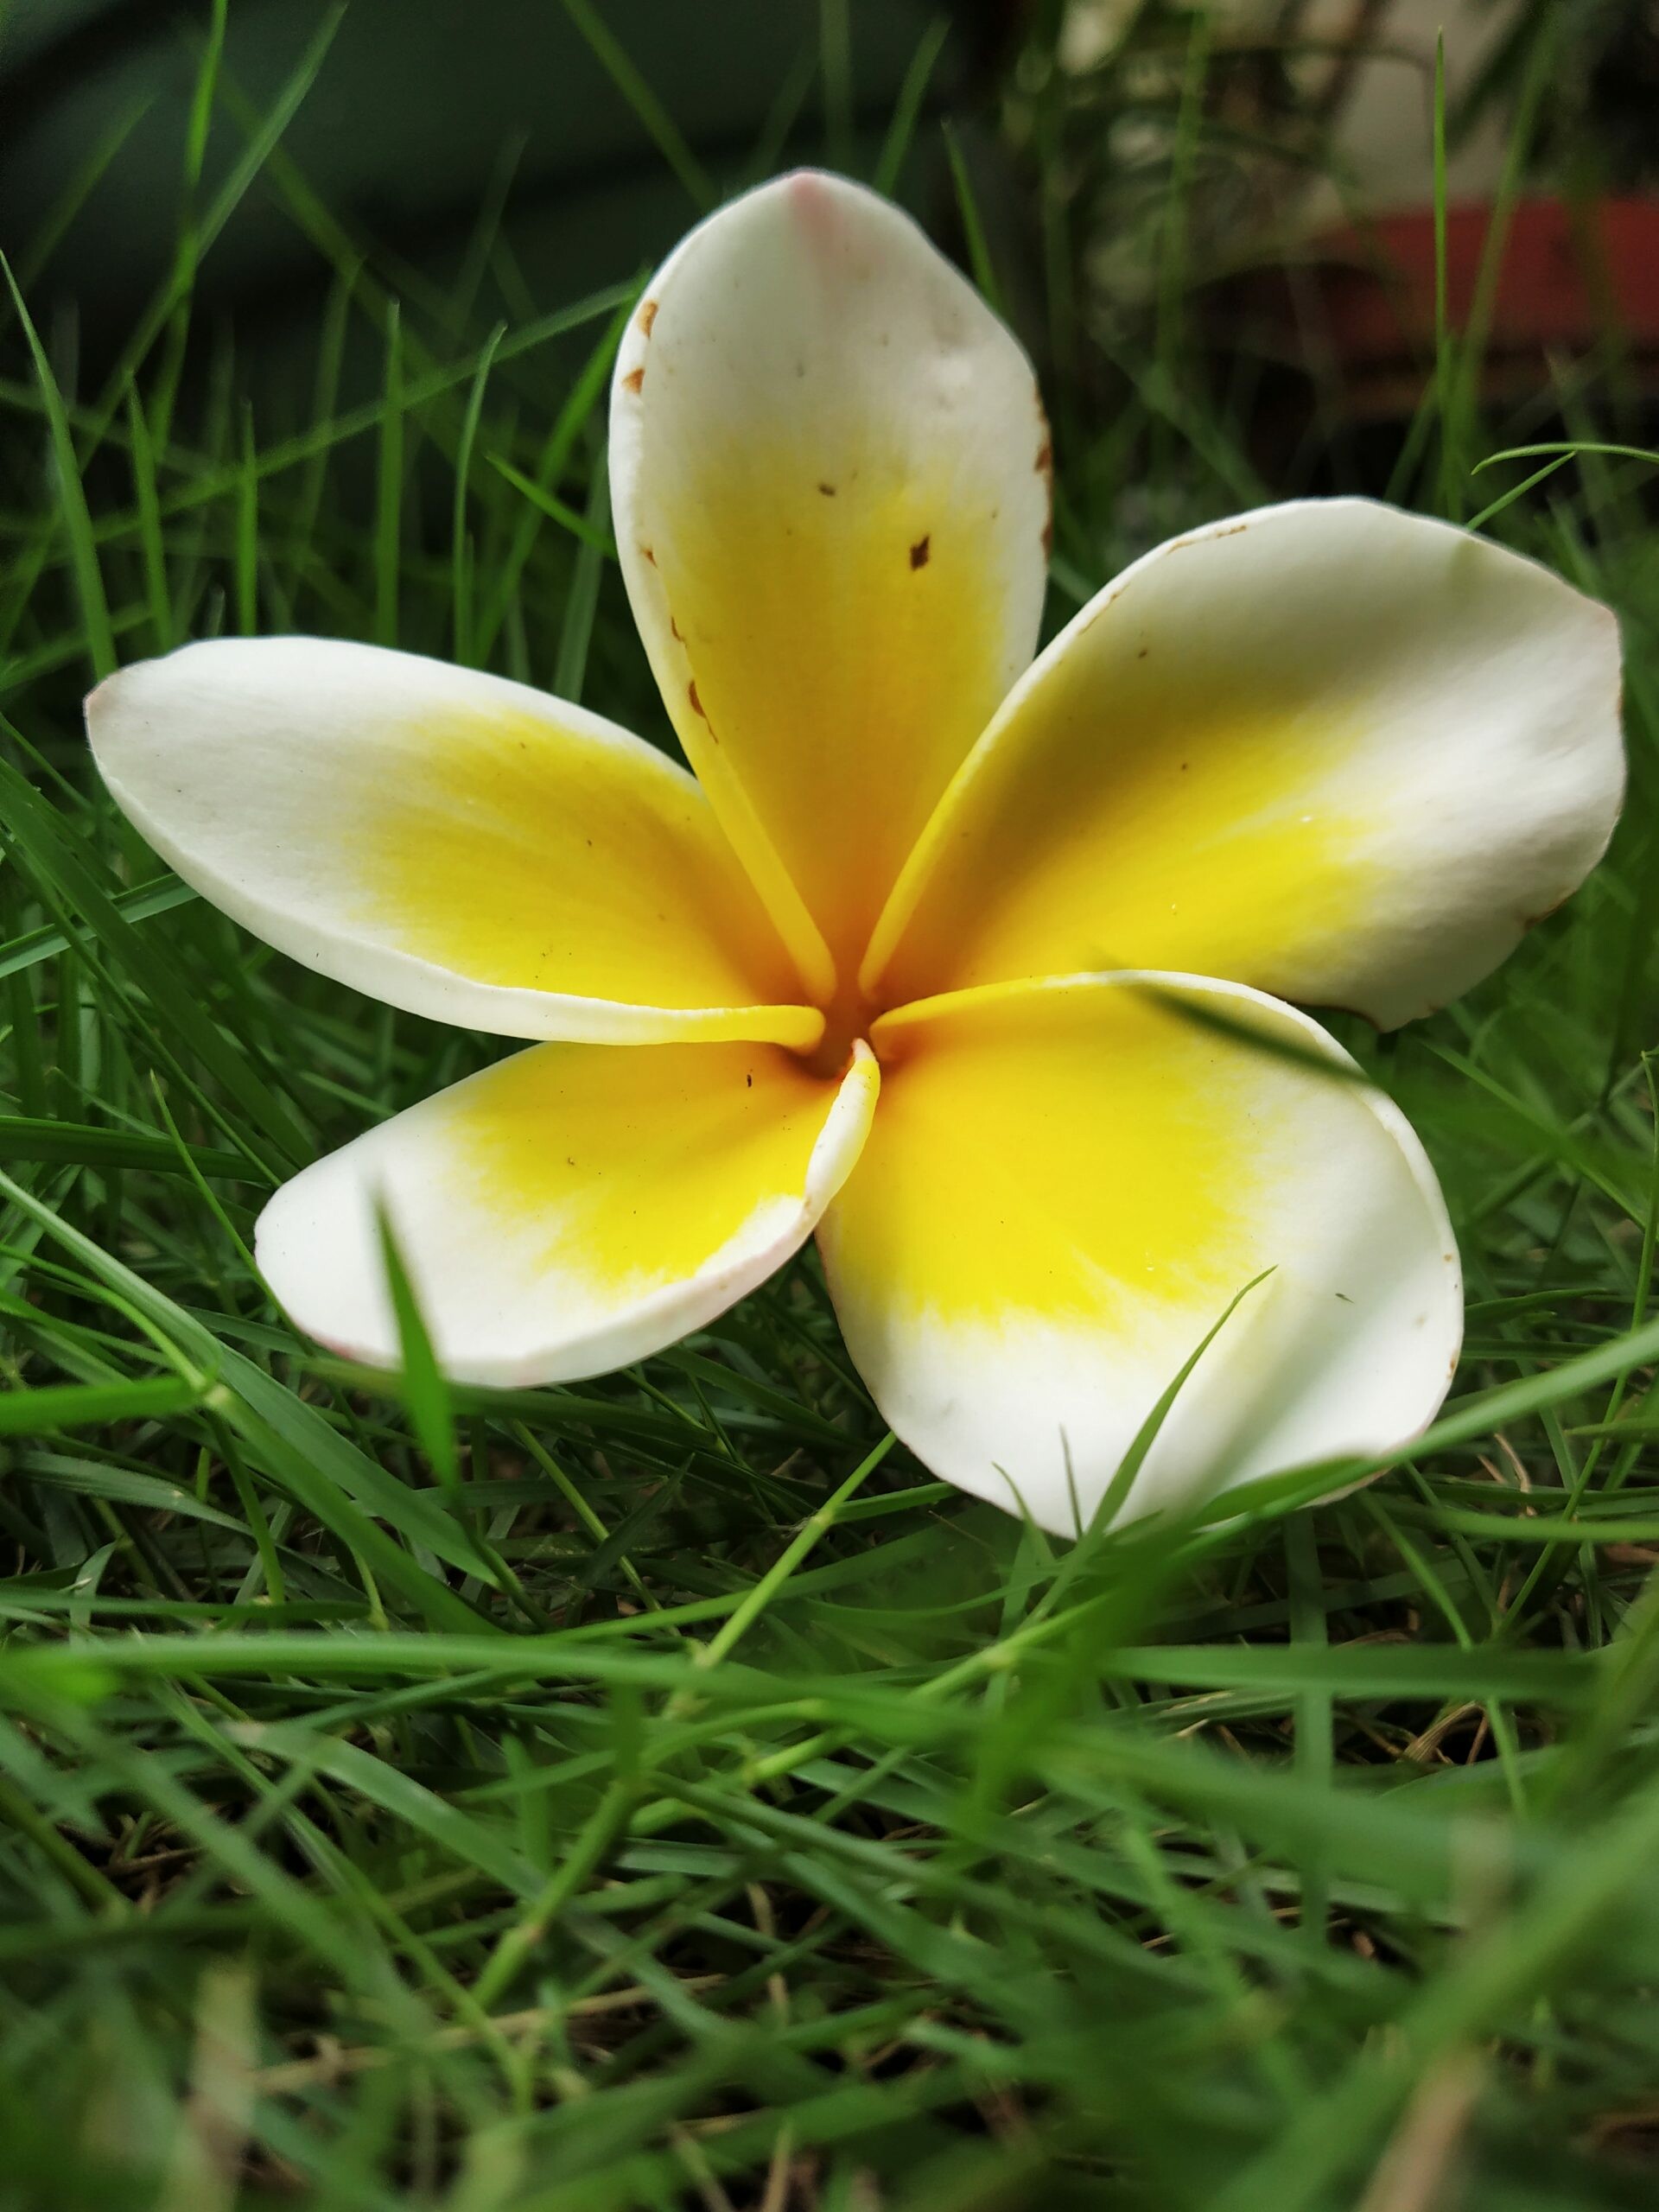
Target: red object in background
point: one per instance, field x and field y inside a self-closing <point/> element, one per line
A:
<point x="1362" y="300"/>
<point x="1563" y="270"/>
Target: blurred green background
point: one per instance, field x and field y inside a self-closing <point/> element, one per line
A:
<point x="426" y="115"/>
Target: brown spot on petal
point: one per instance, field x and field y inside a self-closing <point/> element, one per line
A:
<point x="697" y="703"/>
<point x="634" y="378"/>
<point x="1233" y="530"/>
<point x="649" y="555"/>
<point x="920" y="551"/>
<point x="675" y="632"/>
<point x="828" y="490"/>
<point x="647" y="316"/>
<point x="1046" y="458"/>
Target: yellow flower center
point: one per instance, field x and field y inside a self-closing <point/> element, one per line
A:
<point x="847" y="1017"/>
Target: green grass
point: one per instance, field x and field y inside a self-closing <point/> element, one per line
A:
<point x="659" y="1792"/>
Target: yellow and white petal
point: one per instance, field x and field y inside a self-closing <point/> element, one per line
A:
<point x="1340" y="752"/>
<point x="1067" y="1186"/>
<point x="829" y="471"/>
<point x="570" y="1209"/>
<point x="458" y="845"/>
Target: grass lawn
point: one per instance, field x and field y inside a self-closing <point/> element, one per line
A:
<point x="655" y="1792"/>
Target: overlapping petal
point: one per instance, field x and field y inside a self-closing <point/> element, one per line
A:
<point x="830" y="478"/>
<point x="459" y="845"/>
<point x="1066" y="1187"/>
<point x="572" y="1208"/>
<point x="1337" y="751"/>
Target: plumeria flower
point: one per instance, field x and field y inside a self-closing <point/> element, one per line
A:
<point x="975" y="966"/>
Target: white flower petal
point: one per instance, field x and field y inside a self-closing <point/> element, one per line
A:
<point x="1067" y="1186"/>
<point x="829" y="469"/>
<point x="1340" y="753"/>
<point x="461" y="846"/>
<point x="572" y="1208"/>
